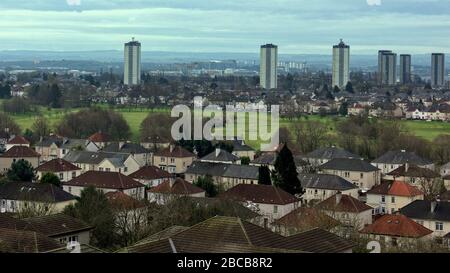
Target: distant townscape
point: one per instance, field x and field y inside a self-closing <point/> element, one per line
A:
<point x="88" y="163"/>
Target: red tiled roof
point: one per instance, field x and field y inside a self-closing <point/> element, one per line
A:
<point x="397" y="225"/>
<point x="150" y="173"/>
<point x="307" y="218"/>
<point x="120" y="200"/>
<point x="57" y="165"/>
<point x="19" y="140"/>
<point x="176" y="152"/>
<point x="107" y="180"/>
<point x="180" y="186"/>
<point x="263" y="194"/>
<point x="397" y="188"/>
<point x="346" y="204"/>
<point x="414" y="171"/>
<point x="20" y="151"/>
<point x="99" y="137"/>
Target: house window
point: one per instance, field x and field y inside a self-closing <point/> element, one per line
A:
<point x="61" y="176"/>
<point x="361" y="176"/>
<point x="439" y="226"/>
<point x="383" y="199"/>
<point x="74" y="174"/>
<point x="394" y="241"/>
<point x="125" y="169"/>
<point x="163" y="159"/>
<point x="275" y="209"/>
<point x="108" y="169"/>
<point x="100" y="169"/>
<point x="172" y="160"/>
<point x="64" y="151"/>
<point x="393" y="199"/>
<point x="70" y="189"/>
<point x="392" y="211"/>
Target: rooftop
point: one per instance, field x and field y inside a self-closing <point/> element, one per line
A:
<point x="396" y="225"/>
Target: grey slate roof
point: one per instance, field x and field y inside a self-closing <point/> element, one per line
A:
<point x="223" y="156"/>
<point x="268" y="158"/>
<point x="330" y="153"/>
<point x="421" y="209"/>
<point x="223" y="169"/>
<point x="325" y="181"/>
<point x="127" y="148"/>
<point x="85" y="157"/>
<point x="34" y="192"/>
<point x="402" y="157"/>
<point x="239" y="146"/>
<point x="346" y="164"/>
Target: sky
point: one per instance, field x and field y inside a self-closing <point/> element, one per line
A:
<point x="296" y="26"/>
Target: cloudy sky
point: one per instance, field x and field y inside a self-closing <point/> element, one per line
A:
<point x="297" y="26"/>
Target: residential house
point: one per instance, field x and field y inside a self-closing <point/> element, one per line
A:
<point x="15" y="241"/>
<point x="233" y="235"/>
<point x="304" y="219"/>
<point x="434" y="215"/>
<point x="4" y="138"/>
<point x="319" y="187"/>
<point x="423" y="178"/>
<point x="323" y="155"/>
<point x="17" y="141"/>
<point x="16" y="197"/>
<point x="106" y="182"/>
<point x="390" y="197"/>
<point x="120" y="163"/>
<point x="356" y="109"/>
<point x="348" y="210"/>
<point x="221" y="156"/>
<point x="223" y="175"/>
<point x="170" y="189"/>
<point x="240" y="149"/>
<point x="269" y="201"/>
<point x="396" y="231"/>
<point x="60" y="167"/>
<point x="100" y="139"/>
<point x="17" y="153"/>
<point x="61" y="227"/>
<point x="142" y="156"/>
<point x="151" y="176"/>
<point x="359" y="172"/>
<point x="53" y="147"/>
<point x="394" y="159"/>
<point x="173" y="159"/>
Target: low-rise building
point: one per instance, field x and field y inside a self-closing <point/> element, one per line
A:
<point x="359" y="172"/>
<point x="60" y="167"/>
<point x="434" y="215"/>
<point x="173" y="159"/>
<point x="17" y="141"/>
<point x="395" y="159"/>
<point x="319" y="187"/>
<point x="151" y="176"/>
<point x="106" y="182"/>
<point x="221" y="156"/>
<point x="166" y="191"/>
<point x="269" y="201"/>
<point x="21" y="197"/>
<point x="396" y="231"/>
<point x="390" y="197"/>
<point x="17" y="153"/>
<point x="323" y="155"/>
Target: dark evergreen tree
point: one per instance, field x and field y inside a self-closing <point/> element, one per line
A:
<point x="349" y="88"/>
<point x="285" y="174"/>
<point x="21" y="171"/>
<point x="51" y="178"/>
<point x="336" y="89"/>
<point x="207" y="183"/>
<point x="264" y="176"/>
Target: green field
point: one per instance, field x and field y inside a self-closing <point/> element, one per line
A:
<point x="134" y="117"/>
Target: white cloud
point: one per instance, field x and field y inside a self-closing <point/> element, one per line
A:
<point x="73" y="2"/>
<point x="374" y="2"/>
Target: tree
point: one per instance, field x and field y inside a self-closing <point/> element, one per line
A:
<point x="285" y="175"/>
<point x="343" y="109"/>
<point x="93" y="208"/>
<point x="264" y="176"/>
<point x="8" y="124"/>
<point x="21" y="171"/>
<point x="51" y="178"/>
<point x="41" y="127"/>
<point x="207" y="184"/>
<point x="156" y="128"/>
<point x="55" y="96"/>
<point x="245" y="160"/>
<point x="349" y="88"/>
<point x="336" y="89"/>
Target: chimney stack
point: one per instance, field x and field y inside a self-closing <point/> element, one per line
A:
<point x="406" y="167"/>
<point x="434" y="204"/>
<point x="171" y="182"/>
<point x="338" y="197"/>
<point x="171" y="147"/>
<point x="217" y="152"/>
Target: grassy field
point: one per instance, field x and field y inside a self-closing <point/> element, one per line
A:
<point x="134" y="117"/>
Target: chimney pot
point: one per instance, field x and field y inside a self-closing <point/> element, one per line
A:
<point x="338" y="197"/>
<point x="434" y="204"/>
<point x="217" y="152"/>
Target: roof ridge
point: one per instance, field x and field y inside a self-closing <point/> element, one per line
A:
<point x="244" y="231"/>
